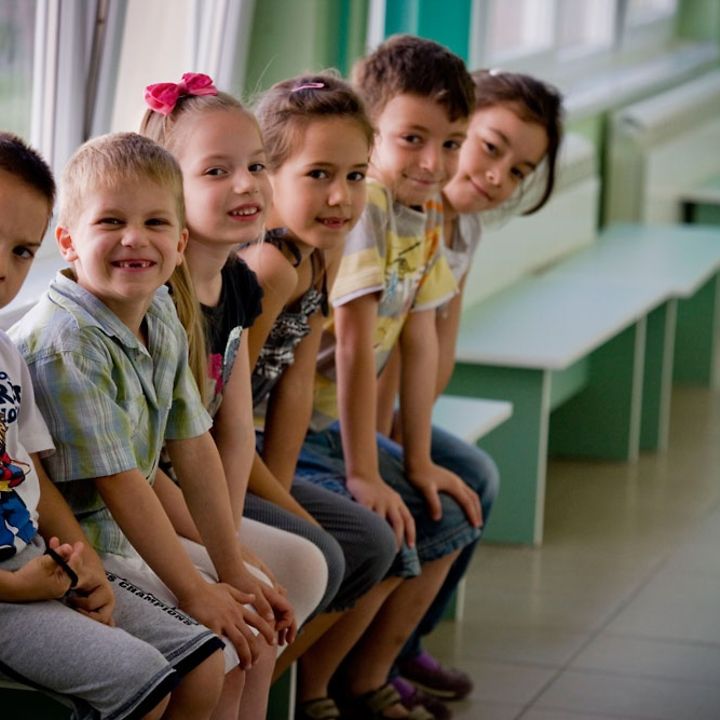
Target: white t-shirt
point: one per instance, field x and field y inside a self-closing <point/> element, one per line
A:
<point x="463" y="244"/>
<point x="22" y="431"/>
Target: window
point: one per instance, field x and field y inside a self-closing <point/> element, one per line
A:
<point x="519" y="27"/>
<point x="17" y="31"/>
<point x="643" y="11"/>
<point x="586" y="25"/>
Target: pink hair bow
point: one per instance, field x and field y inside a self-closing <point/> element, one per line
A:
<point x="162" y="97"/>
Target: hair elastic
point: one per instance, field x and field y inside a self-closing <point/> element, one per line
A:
<point x="309" y="86"/>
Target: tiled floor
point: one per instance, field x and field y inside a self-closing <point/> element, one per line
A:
<point x="617" y="616"/>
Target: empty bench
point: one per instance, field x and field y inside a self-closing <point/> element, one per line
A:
<point x="584" y="351"/>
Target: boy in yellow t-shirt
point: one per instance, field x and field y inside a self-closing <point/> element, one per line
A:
<point x="392" y="278"/>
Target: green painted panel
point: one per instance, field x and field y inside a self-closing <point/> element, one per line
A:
<point x="23" y="704"/>
<point x="706" y="214"/>
<point x="518" y="446"/>
<point x="353" y="24"/>
<point x="401" y="16"/>
<point x="657" y="379"/>
<point x="603" y="421"/>
<point x="275" y="50"/>
<point x="568" y="382"/>
<point x="448" y="23"/>
<point x="699" y="19"/>
<point x="696" y="337"/>
<point x="279" y="700"/>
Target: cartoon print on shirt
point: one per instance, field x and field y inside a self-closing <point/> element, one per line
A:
<point x="15" y="521"/>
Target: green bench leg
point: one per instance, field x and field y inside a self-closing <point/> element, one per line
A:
<point x="30" y="704"/>
<point x="603" y="419"/>
<point x="657" y="384"/>
<point x="281" y="703"/>
<point x="696" y="337"/>
<point x="518" y="446"/>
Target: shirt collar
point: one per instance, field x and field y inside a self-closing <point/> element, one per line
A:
<point x="89" y="311"/>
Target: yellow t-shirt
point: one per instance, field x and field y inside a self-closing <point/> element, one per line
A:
<point x="396" y="251"/>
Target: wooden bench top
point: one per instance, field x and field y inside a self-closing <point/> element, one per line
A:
<point x="469" y="418"/>
<point x="550" y="322"/>
<point x="554" y="319"/>
<point x="678" y="258"/>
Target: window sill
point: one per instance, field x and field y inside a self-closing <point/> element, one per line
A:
<point x="624" y="83"/>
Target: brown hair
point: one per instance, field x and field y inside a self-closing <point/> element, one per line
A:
<point x="164" y="130"/>
<point x="19" y="159"/>
<point x="405" y="64"/>
<point x="289" y="106"/>
<point x="533" y="101"/>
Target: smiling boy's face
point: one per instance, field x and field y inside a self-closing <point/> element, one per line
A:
<point x="24" y="216"/>
<point x="124" y="243"/>
<point x="416" y="148"/>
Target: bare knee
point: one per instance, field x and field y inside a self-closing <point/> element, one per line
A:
<point x="159" y="710"/>
<point x="199" y="691"/>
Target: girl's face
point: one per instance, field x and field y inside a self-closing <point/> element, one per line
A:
<point x="320" y="190"/>
<point x="227" y="190"/>
<point x="501" y="150"/>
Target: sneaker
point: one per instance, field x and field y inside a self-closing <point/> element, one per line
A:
<point x="426" y="673"/>
<point x="412" y="697"/>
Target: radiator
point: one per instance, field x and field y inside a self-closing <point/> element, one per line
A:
<point x="661" y="146"/>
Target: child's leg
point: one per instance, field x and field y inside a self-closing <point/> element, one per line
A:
<point x="438" y="544"/>
<point x="228" y="705"/>
<point x="321" y="661"/>
<point x="124" y="670"/>
<point x="270" y="514"/>
<point x="257" y="684"/>
<point x="477" y="469"/>
<point x="370" y="662"/>
<point x="199" y="692"/>
<point x="298" y="564"/>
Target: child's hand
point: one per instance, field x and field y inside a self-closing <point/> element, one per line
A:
<point x="94" y="596"/>
<point x="221" y="608"/>
<point x="252" y="559"/>
<point x="387" y="503"/>
<point x="270" y="603"/>
<point x="42" y="578"/>
<point x="285" y="625"/>
<point x="433" y="479"/>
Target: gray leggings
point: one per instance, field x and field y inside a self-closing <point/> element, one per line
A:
<point x="358" y="545"/>
<point x="113" y="673"/>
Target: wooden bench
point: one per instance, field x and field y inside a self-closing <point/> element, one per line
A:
<point x="584" y="351"/>
<point x="701" y="203"/>
<point x="683" y="259"/>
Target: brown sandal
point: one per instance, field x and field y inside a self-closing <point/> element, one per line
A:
<point x="375" y="702"/>
<point x="320" y="709"/>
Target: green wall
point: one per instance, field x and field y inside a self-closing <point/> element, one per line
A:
<point x="291" y="37"/>
<point x="699" y="20"/>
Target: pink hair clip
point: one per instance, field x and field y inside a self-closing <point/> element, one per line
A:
<point x="309" y="86"/>
<point x="162" y="97"/>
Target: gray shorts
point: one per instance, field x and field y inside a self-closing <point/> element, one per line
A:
<point x="119" y="672"/>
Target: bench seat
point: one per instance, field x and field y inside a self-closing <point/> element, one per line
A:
<point x="584" y="351"/>
<point x="470" y="418"/>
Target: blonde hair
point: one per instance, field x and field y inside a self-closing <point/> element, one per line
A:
<point x="114" y="160"/>
<point x="164" y="130"/>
